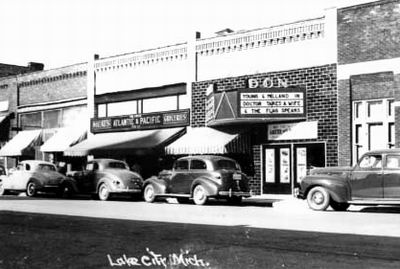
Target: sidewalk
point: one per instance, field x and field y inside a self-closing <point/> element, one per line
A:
<point x="279" y="201"/>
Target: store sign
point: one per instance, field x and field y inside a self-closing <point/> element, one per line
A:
<point x="141" y="121"/>
<point x="268" y="83"/>
<point x="272" y="103"/>
<point x="290" y="131"/>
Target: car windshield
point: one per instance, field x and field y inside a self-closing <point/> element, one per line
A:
<point x="46" y="167"/>
<point x="117" y="165"/>
<point x="226" y="164"/>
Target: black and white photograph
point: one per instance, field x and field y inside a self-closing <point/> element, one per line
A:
<point x="220" y="134"/>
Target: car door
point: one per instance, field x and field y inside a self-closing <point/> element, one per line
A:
<point x="367" y="178"/>
<point x="179" y="178"/>
<point x="391" y="177"/>
<point x="86" y="178"/>
<point x="197" y="168"/>
<point x="20" y="177"/>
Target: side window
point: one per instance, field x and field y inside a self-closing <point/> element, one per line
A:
<point x="393" y="161"/>
<point x="371" y="161"/>
<point x="182" y="165"/>
<point x="20" y="167"/>
<point x="198" y="164"/>
<point x="27" y="167"/>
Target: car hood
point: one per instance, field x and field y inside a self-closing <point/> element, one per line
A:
<point x="338" y="170"/>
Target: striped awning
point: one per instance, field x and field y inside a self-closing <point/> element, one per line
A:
<point x="118" y="141"/>
<point x="63" y="139"/>
<point x="205" y="140"/>
<point x="21" y="142"/>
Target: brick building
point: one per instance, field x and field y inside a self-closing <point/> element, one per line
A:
<point x="368" y="78"/>
<point x="8" y="98"/>
<point x="50" y="106"/>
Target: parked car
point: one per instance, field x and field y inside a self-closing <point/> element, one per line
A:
<point x="104" y="177"/>
<point x="374" y="180"/>
<point x="199" y="178"/>
<point x="32" y="177"/>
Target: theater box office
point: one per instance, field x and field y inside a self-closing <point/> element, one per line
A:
<point x="290" y="118"/>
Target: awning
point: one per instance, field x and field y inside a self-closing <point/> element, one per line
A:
<point x="21" y="142"/>
<point x="2" y="118"/>
<point x="63" y="139"/>
<point x="205" y="140"/>
<point x="124" y="141"/>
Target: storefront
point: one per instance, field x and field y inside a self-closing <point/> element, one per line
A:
<point x="290" y="118"/>
<point x="368" y="79"/>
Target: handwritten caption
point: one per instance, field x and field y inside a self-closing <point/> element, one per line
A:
<point x="184" y="258"/>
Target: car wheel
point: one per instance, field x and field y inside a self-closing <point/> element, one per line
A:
<point x="339" y="206"/>
<point x="65" y="191"/>
<point x="103" y="193"/>
<point x="31" y="189"/>
<point x="2" y="191"/>
<point x="149" y="194"/>
<point x="318" y="198"/>
<point x="183" y="200"/>
<point x="199" y="195"/>
<point x="235" y="200"/>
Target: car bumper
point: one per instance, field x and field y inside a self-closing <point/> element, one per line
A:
<point x="297" y="193"/>
<point x="231" y="193"/>
<point x="133" y="191"/>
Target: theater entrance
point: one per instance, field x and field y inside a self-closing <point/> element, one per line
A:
<point x="285" y="165"/>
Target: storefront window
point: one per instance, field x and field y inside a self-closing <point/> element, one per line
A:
<point x="102" y="110"/>
<point x="160" y="104"/>
<point x="31" y="121"/>
<point x="373" y="128"/>
<point x="122" y="108"/>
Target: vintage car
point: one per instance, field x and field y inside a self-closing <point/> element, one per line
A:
<point x="102" y="178"/>
<point x="374" y="180"/>
<point x="32" y="177"/>
<point x="199" y="178"/>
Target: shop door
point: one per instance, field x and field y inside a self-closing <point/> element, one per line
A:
<point x="277" y="169"/>
<point x="307" y="156"/>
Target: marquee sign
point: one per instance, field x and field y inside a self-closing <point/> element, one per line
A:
<point x="147" y="121"/>
<point x="272" y="103"/>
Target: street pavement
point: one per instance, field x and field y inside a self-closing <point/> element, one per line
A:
<point x="270" y="212"/>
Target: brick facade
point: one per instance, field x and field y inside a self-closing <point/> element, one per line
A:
<point x="53" y="85"/>
<point x="321" y="98"/>
<point x="366" y="33"/>
<point x="369" y="32"/>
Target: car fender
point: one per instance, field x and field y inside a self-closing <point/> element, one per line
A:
<point x="70" y="182"/>
<point x="160" y="185"/>
<point x="39" y="183"/>
<point x="209" y="185"/>
<point x="337" y="187"/>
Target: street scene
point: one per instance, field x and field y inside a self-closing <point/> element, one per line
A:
<point x="200" y="134"/>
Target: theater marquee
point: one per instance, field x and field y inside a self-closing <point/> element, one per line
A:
<point x="272" y="103"/>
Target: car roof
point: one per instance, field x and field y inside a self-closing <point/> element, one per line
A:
<point x="206" y="157"/>
<point x="105" y="160"/>
<point x="384" y="151"/>
<point x="36" y="162"/>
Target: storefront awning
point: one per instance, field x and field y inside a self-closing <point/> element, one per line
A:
<point x="205" y="140"/>
<point x="63" y="139"/>
<point x="124" y="141"/>
<point x="2" y="118"/>
<point x="21" y="142"/>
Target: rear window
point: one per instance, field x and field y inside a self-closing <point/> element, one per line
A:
<point x="46" y="167"/>
<point x="226" y="164"/>
<point x="117" y="165"/>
